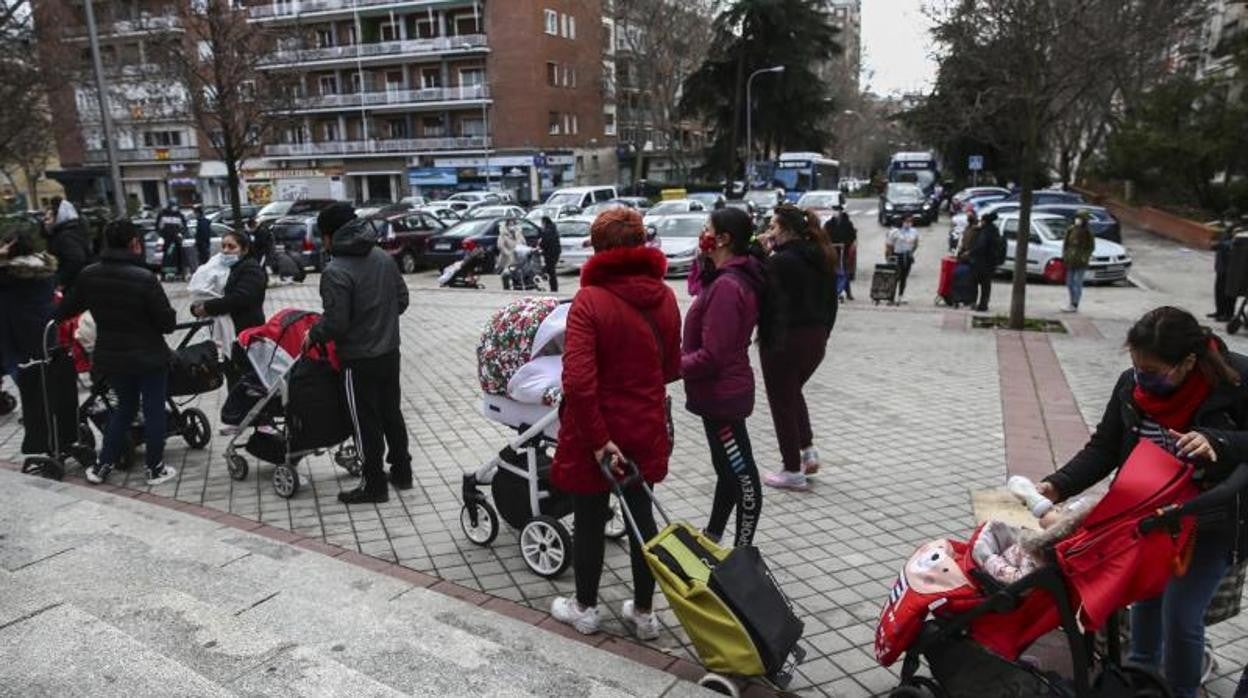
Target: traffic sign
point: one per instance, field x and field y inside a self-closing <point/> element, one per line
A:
<point x="539" y="160"/>
<point x="975" y="163"/>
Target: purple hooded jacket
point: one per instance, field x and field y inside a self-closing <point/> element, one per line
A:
<point x="715" y="360"/>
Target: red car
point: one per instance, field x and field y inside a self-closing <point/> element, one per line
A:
<point x="405" y="236"/>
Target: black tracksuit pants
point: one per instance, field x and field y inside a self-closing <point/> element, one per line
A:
<point x="374" y="402"/>
<point x="737" y="485"/>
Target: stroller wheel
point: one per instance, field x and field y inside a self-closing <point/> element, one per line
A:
<point x="486" y="529"/>
<point x="546" y="546"/>
<point x="285" y="481"/>
<point x="720" y="684"/>
<point x="8" y="403"/>
<point x="44" y="466"/>
<point x="237" y="465"/>
<point x="195" y="428"/>
<point x="616" y="528"/>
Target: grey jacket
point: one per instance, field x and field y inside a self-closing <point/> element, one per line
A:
<point x="363" y="294"/>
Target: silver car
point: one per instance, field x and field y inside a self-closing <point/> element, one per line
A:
<point x="154" y="245"/>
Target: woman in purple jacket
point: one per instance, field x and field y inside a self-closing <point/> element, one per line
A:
<point x="715" y="364"/>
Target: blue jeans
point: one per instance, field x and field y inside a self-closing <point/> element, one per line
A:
<point x="1168" y="632"/>
<point x="1074" y="284"/>
<point x="152" y="387"/>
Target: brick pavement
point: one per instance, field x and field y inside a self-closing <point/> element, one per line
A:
<point x="908" y="416"/>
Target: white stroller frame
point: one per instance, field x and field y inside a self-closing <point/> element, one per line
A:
<point x="545" y="543"/>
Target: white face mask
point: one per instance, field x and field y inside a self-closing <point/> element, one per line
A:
<point x="230" y="260"/>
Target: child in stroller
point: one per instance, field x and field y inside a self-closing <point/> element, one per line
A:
<point x="464" y="273"/>
<point x="519" y="366"/>
<point x="972" y="624"/>
<point x="291" y="401"/>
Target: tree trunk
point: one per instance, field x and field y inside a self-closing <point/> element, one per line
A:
<point x="1018" y="293"/>
<point x="736" y="121"/>
<point x="231" y="181"/>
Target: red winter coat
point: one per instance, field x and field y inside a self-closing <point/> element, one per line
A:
<point x="613" y="384"/>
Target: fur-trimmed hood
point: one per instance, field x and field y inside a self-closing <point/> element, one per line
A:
<point x="635" y="274"/>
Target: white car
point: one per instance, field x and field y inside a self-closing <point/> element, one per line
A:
<point x="677" y="236"/>
<point x="555" y="213"/>
<point x="1110" y="261"/>
<point x="822" y="199"/>
<point x="494" y="212"/>
<point x="575" y="249"/>
<point x="444" y="213"/>
<point x="674" y="206"/>
<point x="475" y="198"/>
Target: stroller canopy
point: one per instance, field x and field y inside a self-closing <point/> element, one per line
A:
<point x="274" y="346"/>
<point x="517" y="333"/>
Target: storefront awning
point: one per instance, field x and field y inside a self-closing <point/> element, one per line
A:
<point x="211" y="169"/>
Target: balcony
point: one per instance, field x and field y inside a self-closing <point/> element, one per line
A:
<point x="145" y="154"/>
<point x="370" y="147"/>
<point x="142" y="25"/>
<point x="393" y="98"/>
<point x="287" y="8"/>
<point x="406" y="48"/>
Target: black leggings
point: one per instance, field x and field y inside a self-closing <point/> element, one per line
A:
<point x="589" y="516"/>
<point x="737" y="485"/>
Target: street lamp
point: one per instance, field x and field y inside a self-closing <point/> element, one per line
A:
<point x="749" y="109"/>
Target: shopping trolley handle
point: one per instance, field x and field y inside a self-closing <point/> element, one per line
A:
<point x="192" y="325"/>
<point x="632" y="474"/>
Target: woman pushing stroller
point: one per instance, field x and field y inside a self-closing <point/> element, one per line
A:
<point x="1185" y="393"/>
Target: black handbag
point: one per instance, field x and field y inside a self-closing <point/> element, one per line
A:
<point x="316" y="411"/>
<point x="745" y="585"/>
<point x="195" y="369"/>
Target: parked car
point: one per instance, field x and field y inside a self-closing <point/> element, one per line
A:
<point x="372" y="207"/>
<point x="226" y="215"/>
<point x="457" y="205"/>
<point x="574" y="242"/>
<point x="1110" y="261"/>
<point x="413" y="202"/>
<point x="821" y="202"/>
<point x="640" y="203"/>
<point x="710" y="199"/>
<point x="276" y="209"/>
<point x="405" y="235"/>
<point x="451" y="245"/>
<point x="677" y="236"/>
<point x="154" y="244"/>
<point x="1103" y="223"/>
<point x="494" y="212"/>
<point x="446" y="214"/>
<point x="747" y="206"/>
<point x="674" y="206"/>
<point x="596" y="209"/>
<point x="555" y="213"/>
<point x="764" y="201"/>
<point x="1044" y="197"/>
<point x="902" y="200"/>
<point x="300" y="236"/>
<point x="476" y="198"/>
<point x="958" y="200"/>
<point x="581" y="197"/>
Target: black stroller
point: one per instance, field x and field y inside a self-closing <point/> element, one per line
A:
<point x="48" y="386"/>
<point x="527" y="272"/>
<point x="194" y="370"/>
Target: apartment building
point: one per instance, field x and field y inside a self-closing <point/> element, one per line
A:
<point x="843" y="71"/>
<point x="393" y="98"/>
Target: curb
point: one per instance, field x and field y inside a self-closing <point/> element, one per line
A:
<point x="1043" y="425"/>
<point x="619" y="646"/>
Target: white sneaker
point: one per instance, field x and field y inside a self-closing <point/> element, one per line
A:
<point x="1070" y="309"/>
<point x="566" y="610"/>
<point x="645" y="625"/>
<point x="785" y="480"/>
<point x="810" y="461"/>
<point x="97" y="474"/>
<point x="163" y="473"/>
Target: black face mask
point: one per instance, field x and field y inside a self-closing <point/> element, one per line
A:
<point x="1158" y="384"/>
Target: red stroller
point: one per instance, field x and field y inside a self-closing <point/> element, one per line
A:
<point x="1126" y="550"/>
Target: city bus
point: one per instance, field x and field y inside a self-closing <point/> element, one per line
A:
<point x="916" y="168"/>
<point x="798" y="173"/>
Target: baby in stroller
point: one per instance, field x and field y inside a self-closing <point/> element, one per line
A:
<point x="526" y="272"/>
<point x="971" y="608"/>
<point x="465" y="272"/>
<point x="519" y="364"/>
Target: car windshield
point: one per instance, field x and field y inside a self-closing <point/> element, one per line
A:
<point x="276" y="208"/>
<point x="669" y="207"/>
<point x="818" y="200"/>
<point x="572" y="229"/>
<point x="604" y="206"/>
<point x="763" y="199"/>
<point x="708" y="198"/>
<point x="680" y="227"/>
<point x="565" y="199"/>
<point x="1051" y="228"/>
<point x="902" y="191"/>
<point x="925" y="179"/>
<point x="469" y="228"/>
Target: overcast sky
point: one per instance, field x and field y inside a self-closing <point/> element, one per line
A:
<point x="895" y="46"/>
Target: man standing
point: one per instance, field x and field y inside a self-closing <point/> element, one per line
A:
<point x="67" y="241"/>
<point x="550" y="251"/>
<point x="1076" y="253"/>
<point x="171" y="224"/>
<point x="1223" y="298"/>
<point x="841" y="231"/>
<point x="363" y="295"/>
<point x="983" y="252"/>
<point x="132" y="316"/>
<point x="203" y="235"/>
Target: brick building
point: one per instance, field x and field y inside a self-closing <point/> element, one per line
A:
<point x="423" y="96"/>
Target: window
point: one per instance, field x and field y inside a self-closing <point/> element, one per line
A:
<point x="396" y="128"/>
<point x="324" y="38"/>
<point x="433" y="127"/>
<point x="426" y="28"/>
<point x="394" y="80"/>
<point x="575" y="126"/>
<point x="552" y="73"/>
<point x="567" y="124"/>
<point x="565" y="25"/>
<point x="357" y="82"/>
<point x="329" y="130"/>
<point x="570" y="82"/>
<point x="608" y="124"/>
<point x="471" y="77"/>
<point x="329" y="85"/>
<point x="430" y="77"/>
<point x="554" y="123"/>
<point x="552" y="22"/>
<point x="467" y="24"/>
<point x="389" y="31"/>
<point x="351" y="35"/>
<point x="162" y="139"/>
<point x="472" y="127"/>
<point x="571" y="28"/>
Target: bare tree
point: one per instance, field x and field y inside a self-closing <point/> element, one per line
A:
<point x="219" y="64"/>
<point x="25" y="121"/>
<point x="659" y="43"/>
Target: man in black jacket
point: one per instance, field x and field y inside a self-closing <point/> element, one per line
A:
<point x="984" y="254"/>
<point x="549" y="244"/>
<point x="171" y="225"/>
<point x="363" y="295"/>
<point x="841" y="231"/>
<point x="132" y="316"/>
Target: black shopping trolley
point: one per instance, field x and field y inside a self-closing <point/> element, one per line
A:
<point x="48" y="387"/>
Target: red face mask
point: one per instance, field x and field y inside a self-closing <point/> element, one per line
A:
<point x="706" y="242"/>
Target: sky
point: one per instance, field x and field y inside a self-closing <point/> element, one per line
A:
<point x="895" y="47"/>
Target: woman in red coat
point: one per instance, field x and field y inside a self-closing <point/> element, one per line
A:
<point x="621" y="347"/>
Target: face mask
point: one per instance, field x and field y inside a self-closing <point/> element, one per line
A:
<point x="229" y="260"/>
<point x="706" y="243"/>
<point x="1155" y="383"/>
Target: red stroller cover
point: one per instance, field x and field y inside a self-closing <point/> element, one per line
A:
<point x="274" y="346"/>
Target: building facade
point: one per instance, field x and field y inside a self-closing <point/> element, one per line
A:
<point x="844" y="71"/>
<point x="393" y="98"/>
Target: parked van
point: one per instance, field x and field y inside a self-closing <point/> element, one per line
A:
<point x="581" y="197"/>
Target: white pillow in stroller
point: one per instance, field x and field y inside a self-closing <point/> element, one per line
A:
<point x="538" y="382"/>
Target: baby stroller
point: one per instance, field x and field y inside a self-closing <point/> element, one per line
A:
<point x="194" y="370"/>
<point x="519" y="365"/>
<point x="291" y="402"/>
<point x="48" y="387"/>
<point x="1123" y="552"/>
<point x="464" y="273"/>
<point x="526" y="273"/>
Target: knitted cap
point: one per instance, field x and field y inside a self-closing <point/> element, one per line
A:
<point x="617" y="227"/>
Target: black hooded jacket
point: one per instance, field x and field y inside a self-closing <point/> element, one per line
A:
<point x="801" y="289"/>
<point x="363" y="295"/>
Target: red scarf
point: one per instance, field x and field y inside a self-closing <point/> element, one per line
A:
<point x="1175" y="411"/>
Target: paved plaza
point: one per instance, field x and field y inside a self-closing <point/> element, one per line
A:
<point x="908" y="417"/>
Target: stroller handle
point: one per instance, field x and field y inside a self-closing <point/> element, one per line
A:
<point x="1216" y="497"/>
